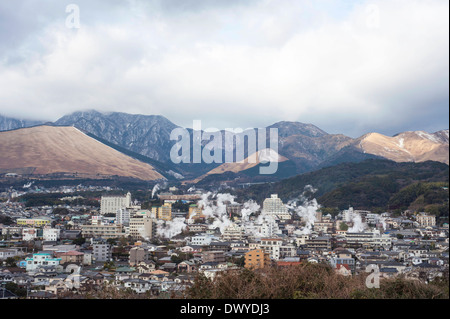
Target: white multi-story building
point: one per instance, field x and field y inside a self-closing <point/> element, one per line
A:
<point x="233" y="232"/>
<point x="373" y="218"/>
<point x="426" y="220"/>
<point x="29" y="234"/>
<point x="350" y="213"/>
<point x="201" y="240"/>
<point x="87" y="257"/>
<point x="123" y="216"/>
<point x="111" y="204"/>
<point x="41" y="260"/>
<point x="269" y="228"/>
<point x="274" y="206"/>
<point x="374" y="239"/>
<point x="103" y="231"/>
<point x="50" y="234"/>
<point x="272" y="247"/>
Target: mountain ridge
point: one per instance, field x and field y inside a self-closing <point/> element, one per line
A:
<point x="305" y="145"/>
<point x="370" y="183"/>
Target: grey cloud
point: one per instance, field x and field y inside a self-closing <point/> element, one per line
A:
<point x="230" y="63"/>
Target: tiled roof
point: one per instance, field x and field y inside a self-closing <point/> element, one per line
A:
<point x="339" y="266"/>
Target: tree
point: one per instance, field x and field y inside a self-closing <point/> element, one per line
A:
<point x="60" y="211"/>
<point x="15" y="289"/>
<point x="176" y="259"/>
<point x="112" y="241"/>
<point x="240" y="262"/>
<point x="79" y="241"/>
<point x="109" y="265"/>
<point x="123" y="241"/>
<point x="11" y="262"/>
<point x="6" y="220"/>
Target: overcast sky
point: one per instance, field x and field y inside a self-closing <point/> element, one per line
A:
<point x="348" y="67"/>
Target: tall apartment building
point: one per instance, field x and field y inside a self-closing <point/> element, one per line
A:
<point x="111" y="204"/>
<point x="123" y="216"/>
<point x="233" y="232"/>
<point x="272" y="247"/>
<point x="142" y="227"/>
<point x="163" y="212"/>
<point x="274" y="206"/>
<point x="257" y="259"/>
<point x="102" y="251"/>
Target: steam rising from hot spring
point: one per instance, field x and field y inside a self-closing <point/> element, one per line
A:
<point x="306" y="209"/>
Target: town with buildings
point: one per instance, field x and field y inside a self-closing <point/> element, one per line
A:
<point x="64" y="251"/>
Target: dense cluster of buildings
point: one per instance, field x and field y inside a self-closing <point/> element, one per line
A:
<point x="127" y="247"/>
<point x="30" y="188"/>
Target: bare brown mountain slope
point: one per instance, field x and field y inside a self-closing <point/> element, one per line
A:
<point x="407" y="147"/>
<point x="50" y="149"/>
<point x="259" y="157"/>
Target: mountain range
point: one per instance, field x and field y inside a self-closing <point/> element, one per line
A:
<point x="9" y="123"/>
<point x="302" y="147"/>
